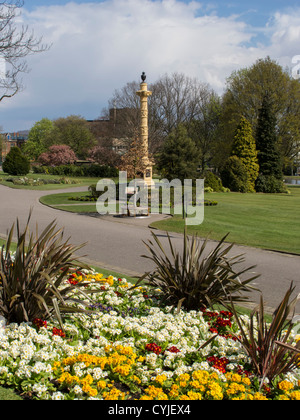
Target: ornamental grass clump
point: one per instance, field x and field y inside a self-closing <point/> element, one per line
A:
<point x="269" y="346"/>
<point x="196" y="279"/>
<point x="32" y="279"/>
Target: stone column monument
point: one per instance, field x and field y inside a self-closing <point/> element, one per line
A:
<point x="144" y="93"/>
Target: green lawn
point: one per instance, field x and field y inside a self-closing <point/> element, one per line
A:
<point x="53" y="200"/>
<point x="8" y="395"/>
<point x="269" y="221"/>
<point x="62" y="202"/>
<point x="3" y="242"/>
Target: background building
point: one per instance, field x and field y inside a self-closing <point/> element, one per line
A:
<point x="10" y="140"/>
<point x="114" y="130"/>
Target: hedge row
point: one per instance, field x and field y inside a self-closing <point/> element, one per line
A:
<point x="86" y="170"/>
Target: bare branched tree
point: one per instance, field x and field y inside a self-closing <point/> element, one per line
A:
<point x="175" y="99"/>
<point x="16" y="43"/>
<point x="178" y="100"/>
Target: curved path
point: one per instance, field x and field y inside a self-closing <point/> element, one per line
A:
<point x="117" y="244"/>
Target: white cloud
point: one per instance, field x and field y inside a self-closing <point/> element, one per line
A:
<point x="98" y="47"/>
<point x="285" y="38"/>
<point x="115" y="40"/>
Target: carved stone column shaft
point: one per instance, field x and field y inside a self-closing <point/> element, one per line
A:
<point x="144" y="93"/>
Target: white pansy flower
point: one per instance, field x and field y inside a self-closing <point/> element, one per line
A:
<point x="57" y="396"/>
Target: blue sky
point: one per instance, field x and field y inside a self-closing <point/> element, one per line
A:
<point x="99" y="46"/>
<point x="255" y="12"/>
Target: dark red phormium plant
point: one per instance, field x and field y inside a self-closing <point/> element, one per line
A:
<point x="268" y="345"/>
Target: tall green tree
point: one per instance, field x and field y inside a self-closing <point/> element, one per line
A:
<point x="37" y="138"/>
<point x="204" y="129"/>
<point x="179" y="157"/>
<point x="72" y="131"/>
<point x="244" y="148"/>
<point x="289" y="127"/>
<point x="266" y="140"/>
<point x="244" y="93"/>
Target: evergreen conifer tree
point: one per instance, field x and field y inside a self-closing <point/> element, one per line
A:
<point x="245" y="149"/>
<point x="234" y="175"/>
<point x="16" y="163"/>
<point x="266" y="141"/>
<point x="179" y="157"/>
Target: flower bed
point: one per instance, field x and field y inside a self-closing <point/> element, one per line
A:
<point x="129" y="347"/>
<point x="40" y="181"/>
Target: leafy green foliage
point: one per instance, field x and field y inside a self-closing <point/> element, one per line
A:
<point x="270" y="184"/>
<point x="74" y="132"/>
<point x="179" y="158"/>
<point x="246" y="88"/>
<point x="35" y="145"/>
<point x="204" y="129"/>
<point x="234" y="175"/>
<point x="7" y="394"/>
<point x="245" y="149"/>
<point x="196" y="278"/>
<point x="266" y="141"/>
<point x="16" y="163"/>
<point x="213" y="181"/>
<point x="32" y="282"/>
<point x="87" y="170"/>
<point x="268" y="345"/>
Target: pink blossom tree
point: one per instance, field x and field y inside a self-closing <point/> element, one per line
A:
<point x="58" y="154"/>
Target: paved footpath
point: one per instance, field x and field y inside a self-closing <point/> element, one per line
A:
<point x="117" y="244"/>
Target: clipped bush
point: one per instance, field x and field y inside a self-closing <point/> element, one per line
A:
<point x="208" y="190"/>
<point x="86" y="170"/>
<point x="93" y="191"/>
<point x="269" y="184"/>
<point x="16" y="163"/>
<point x="212" y="181"/>
<point x="234" y="175"/>
<point x="100" y="171"/>
<point x="210" y="203"/>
